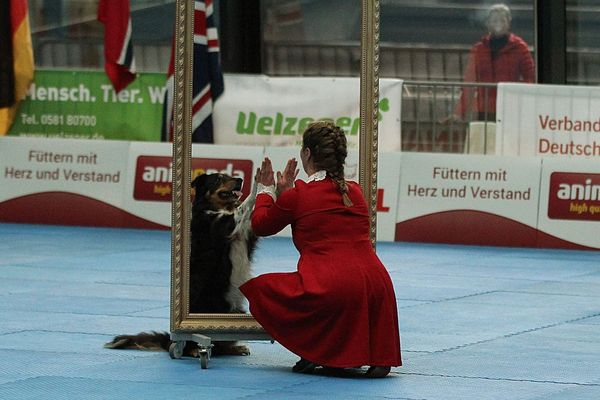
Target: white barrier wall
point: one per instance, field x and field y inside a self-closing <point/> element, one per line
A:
<point x="466" y="199"/>
<point x="128" y="184"/>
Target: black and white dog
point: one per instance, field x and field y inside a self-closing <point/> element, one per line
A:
<point x="222" y="244"/>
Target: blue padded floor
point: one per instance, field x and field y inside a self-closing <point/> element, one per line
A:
<point x="475" y="322"/>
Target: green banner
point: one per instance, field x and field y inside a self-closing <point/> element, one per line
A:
<point x="83" y="105"/>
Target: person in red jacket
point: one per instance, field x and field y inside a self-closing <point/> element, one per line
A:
<point x="500" y="56"/>
<point x="338" y="310"/>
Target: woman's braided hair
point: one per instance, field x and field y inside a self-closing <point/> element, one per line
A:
<point x="328" y="149"/>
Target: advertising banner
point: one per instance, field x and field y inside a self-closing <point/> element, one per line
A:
<point x="150" y="174"/>
<point x="103" y="183"/>
<point x="569" y="213"/>
<point x="548" y="120"/>
<point x="66" y="182"/>
<point x="421" y="197"/>
<point x="83" y="105"/>
<point x="483" y="200"/>
<point x="254" y="110"/>
<point x="266" y="111"/>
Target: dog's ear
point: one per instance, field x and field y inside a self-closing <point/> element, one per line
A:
<point x="200" y="184"/>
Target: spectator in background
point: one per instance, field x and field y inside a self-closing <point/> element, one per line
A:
<point x="500" y="56"/>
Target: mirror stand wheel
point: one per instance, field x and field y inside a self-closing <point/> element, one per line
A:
<point x="204" y="357"/>
<point x="176" y="350"/>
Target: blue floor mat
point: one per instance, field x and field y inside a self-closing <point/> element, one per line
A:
<point x="475" y="322"/>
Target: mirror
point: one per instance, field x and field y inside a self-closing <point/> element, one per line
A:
<point x="239" y="326"/>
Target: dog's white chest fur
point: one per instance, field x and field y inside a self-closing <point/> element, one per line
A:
<point x="241" y="266"/>
<point x="240" y="273"/>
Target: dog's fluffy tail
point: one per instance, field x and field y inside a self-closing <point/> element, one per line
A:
<point x="161" y="341"/>
<point x="152" y="341"/>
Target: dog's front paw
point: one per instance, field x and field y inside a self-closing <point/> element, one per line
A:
<point x="230" y="349"/>
<point x="240" y="350"/>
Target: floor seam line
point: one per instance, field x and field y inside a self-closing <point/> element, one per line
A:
<point x="517" y="333"/>
<point x="501" y="379"/>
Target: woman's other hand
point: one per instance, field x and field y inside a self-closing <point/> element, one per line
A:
<point x="286" y="179"/>
<point x="264" y="174"/>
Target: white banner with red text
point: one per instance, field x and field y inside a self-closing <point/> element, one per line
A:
<point x="421" y="197"/>
<point x="468" y="199"/>
<point x="548" y="120"/>
<point x="499" y="201"/>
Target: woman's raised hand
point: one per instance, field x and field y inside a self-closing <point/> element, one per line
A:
<point x="286" y="179"/>
<point x="264" y="174"/>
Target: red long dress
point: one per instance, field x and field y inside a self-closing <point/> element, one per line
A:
<point x="339" y="308"/>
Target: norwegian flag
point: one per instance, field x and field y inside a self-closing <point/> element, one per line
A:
<point x="208" y="77"/>
<point x="118" y="49"/>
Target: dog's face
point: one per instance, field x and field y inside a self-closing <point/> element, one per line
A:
<point x="217" y="191"/>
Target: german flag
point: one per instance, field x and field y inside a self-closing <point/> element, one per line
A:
<point x="16" y="59"/>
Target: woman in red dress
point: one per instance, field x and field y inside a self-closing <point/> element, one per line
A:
<point x="339" y="309"/>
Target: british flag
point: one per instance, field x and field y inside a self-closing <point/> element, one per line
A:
<point x="208" y="77"/>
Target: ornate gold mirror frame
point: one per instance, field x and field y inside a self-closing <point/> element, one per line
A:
<point x="243" y="326"/>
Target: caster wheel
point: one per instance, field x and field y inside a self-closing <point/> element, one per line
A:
<point x="204" y="360"/>
<point x="176" y="350"/>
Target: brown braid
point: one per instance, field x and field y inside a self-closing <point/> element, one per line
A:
<point x="328" y="146"/>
